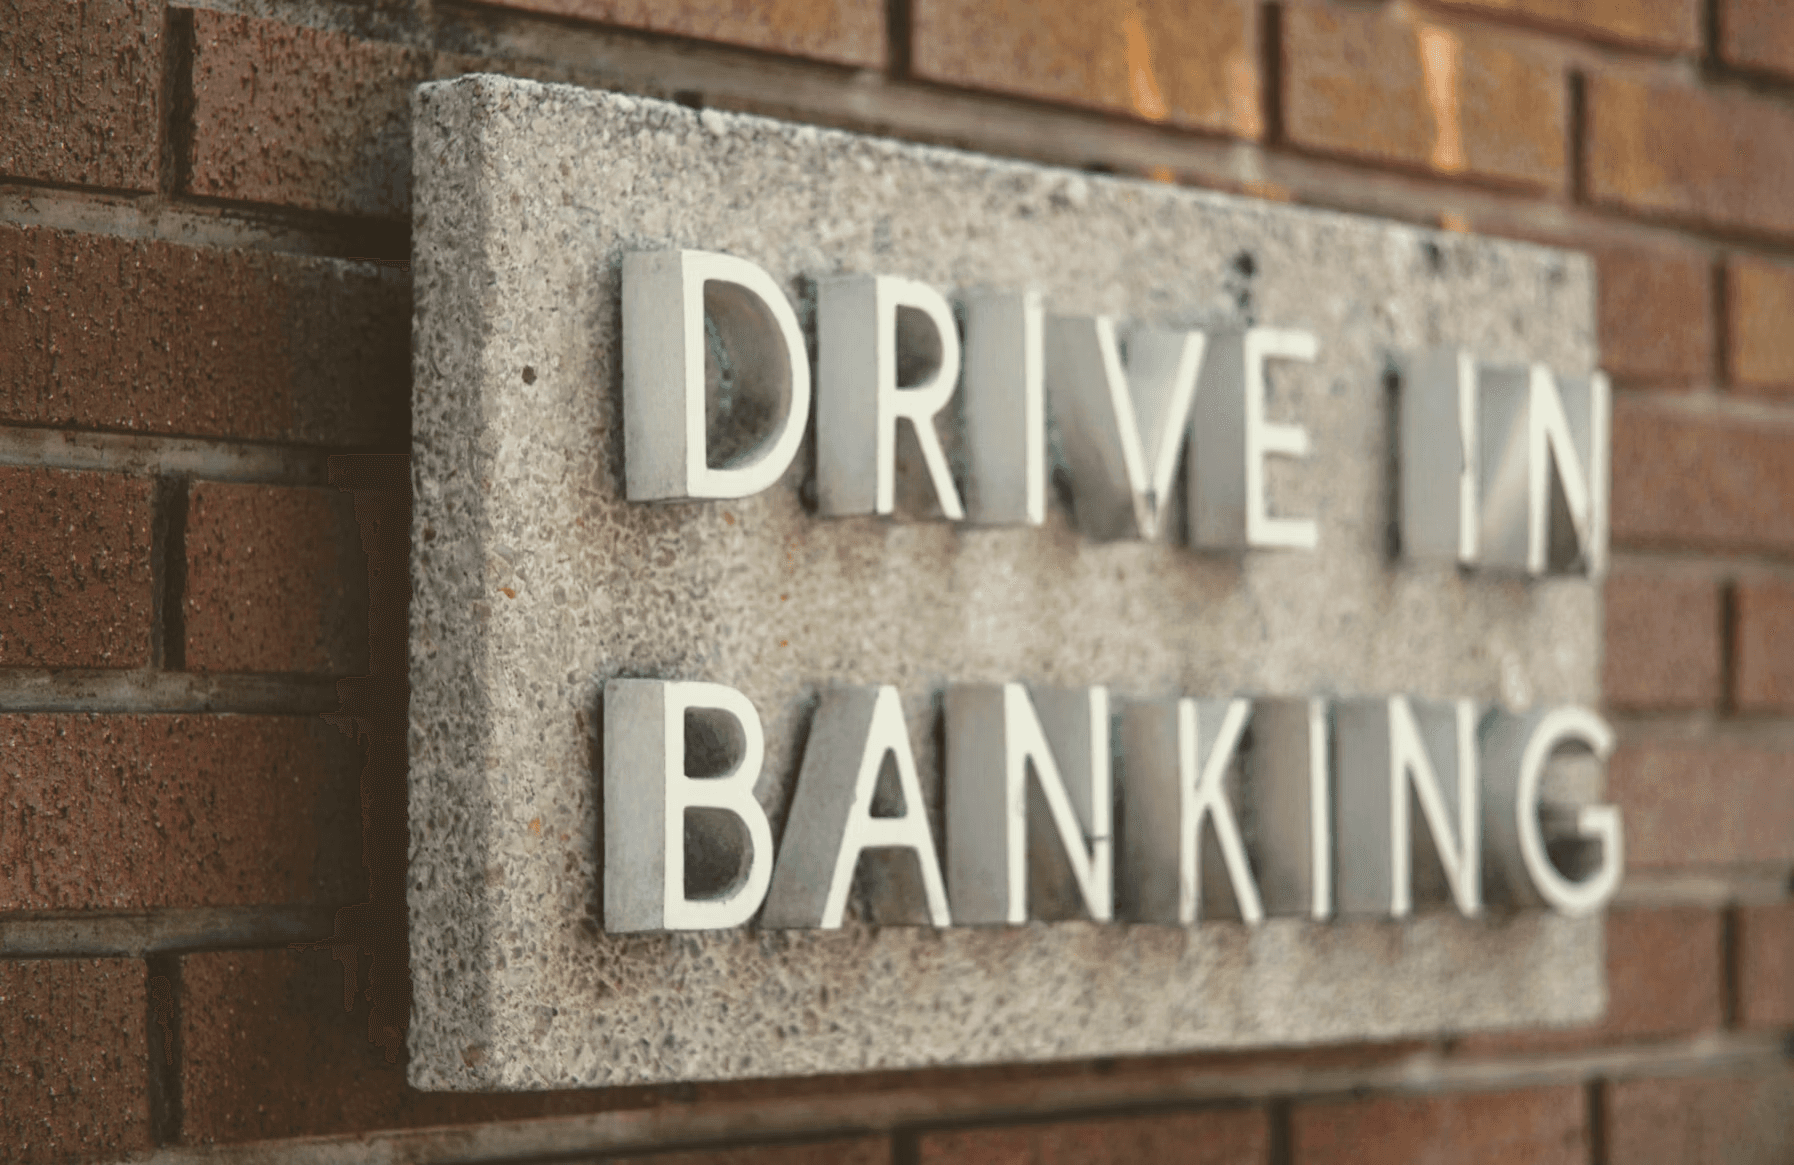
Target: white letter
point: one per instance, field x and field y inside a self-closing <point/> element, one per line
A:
<point x="1519" y="748"/>
<point x="993" y="737"/>
<point x="1288" y="773"/>
<point x="1123" y="430"/>
<point x="861" y="401"/>
<point x="1496" y="438"/>
<point x="1177" y="755"/>
<point x="1439" y="462"/>
<point x="647" y="792"/>
<point x="831" y="821"/>
<point x="1005" y="414"/>
<point x="1232" y="438"/>
<point x="666" y="296"/>
<point x="1576" y="444"/>
<point x="1387" y="747"/>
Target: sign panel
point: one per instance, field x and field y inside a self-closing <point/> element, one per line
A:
<point x="877" y="606"/>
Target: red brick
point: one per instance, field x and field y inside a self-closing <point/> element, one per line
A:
<point x="276" y="581"/>
<point x="851" y="32"/>
<point x="268" y="1051"/>
<point x="80" y="88"/>
<point x="1664" y="978"/>
<point x="1763" y="646"/>
<point x="1760" y="323"/>
<point x="1220" y="1137"/>
<point x="1766" y="966"/>
<point x="1757" y="34"/>
<point x="1727" y="1120"/>
<point x="1664" y="972"/>
<point x="302" y="117"/>
<point x="1718" y="156"/>
<point x="74" y="569"/>
<point x="1378" y="84"/>
<point x="1701" y="482"/>
<point x="74" y="1059"/>
<point x="1703" y="803"/>
<point x="1663" y="642"/>
<point x="1658" y="24"/>
<point x="128" y="812"/>
<point x="1188" y="64"/>
<point x="854" y="1151"/>
<point x="109" y="333"/>
<point x="1655" y="313"/>
<point x="1541" y="1126"/>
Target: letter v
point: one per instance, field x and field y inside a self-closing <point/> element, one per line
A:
<point x="1122" y="429"/>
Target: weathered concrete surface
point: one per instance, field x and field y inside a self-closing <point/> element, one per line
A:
<point x="535" y="583"/>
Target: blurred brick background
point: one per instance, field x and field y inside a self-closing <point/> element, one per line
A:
<point x="195" y="203"/>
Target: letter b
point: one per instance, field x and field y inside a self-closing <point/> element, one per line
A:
<point x="648" y="793"/>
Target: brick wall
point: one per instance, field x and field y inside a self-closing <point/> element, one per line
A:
<point x="202" y="214"/>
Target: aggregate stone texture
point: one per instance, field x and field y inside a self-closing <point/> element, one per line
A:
<point x="535" y="583"/>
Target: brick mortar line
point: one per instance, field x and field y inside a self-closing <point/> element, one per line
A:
<point x="1599" y="1121"/>
<point x="404" y="27"/>
<point x="164" y="990"/>
<point x="1666" y="549"/>
<point x="360" y="236"/>
<point x="1534" y="30"/>
<point x="153" y="692"/>
<point x="199" y="458"/>
<point x="1756" y="80"/>
<point x="1710" y="404"/>
<point x="1690" y="563"/>
<point x="1718" y="887"/>
<point x="1704" y="727"/>
<point x="192" y="222"/>
<point x="1731" y="969"/>
<point x="1728" y="633"/>
<point x="162" y="930"/>
<point x="1719" y="317"/>
<point x="899" y="1112"/>
<point x="168" y="569"/>
<point x="899" y="33"/>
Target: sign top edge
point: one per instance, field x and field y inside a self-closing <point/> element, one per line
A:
<point x="721" y="124"/>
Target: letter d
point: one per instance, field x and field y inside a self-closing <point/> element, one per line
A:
<point x="666" y="297"/>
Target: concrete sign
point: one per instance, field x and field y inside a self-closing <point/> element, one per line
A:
<point x="876" y="606"/>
